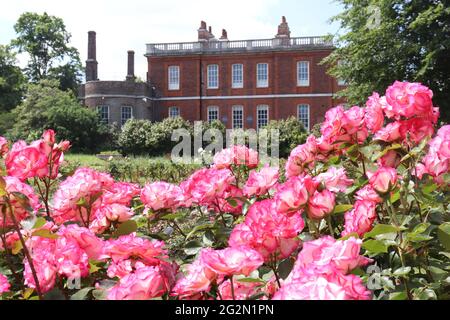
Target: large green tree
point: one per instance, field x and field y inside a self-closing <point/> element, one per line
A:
<point x="12" y="81"/>
<point x="47" y="107"/>
<point x="46" y="41"/>
<point x="386" y="40"/>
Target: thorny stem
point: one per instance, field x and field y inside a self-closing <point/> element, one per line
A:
<point x="399" y="248"/>
<point x="26" y="251"/>
<point x="179" y="229"/>
<point x="232" y="287"/>
<point x="273" y="266"/>
<point x="7" y="257"/>
<point x="330" y="225"/>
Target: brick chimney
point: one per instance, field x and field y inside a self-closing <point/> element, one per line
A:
<point x="224" y="36"/>
<point x="130" y="73"/>
<point x="283" y="29"/>
<point x="203" y="34"/>
<point x="91" y="62"/>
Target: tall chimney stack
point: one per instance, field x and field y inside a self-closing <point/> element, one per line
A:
<point x="130" y="73"/>
<point x="91" y="62"/>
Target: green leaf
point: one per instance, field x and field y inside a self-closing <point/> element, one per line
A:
<point x="44" y="233"/>
<point x="443" y="233"/>
<point x="199" y="228"/>
<point x="285" y="268"/>
<point x="340" y="208"/>
<point x="232" y="202"/>
<point x="81" y="294"/>
<point x="350" y="235"/>
<point x="395" y="196"/>
<point x="172" y="216"/>
<point x="403" y="271"/>
<point x="192" y="247"/>
<point x="125" y="228"/>
<point x="251" y="280"/>
<point x="429" y="187"/>
<point x="16" y="247"/>
<point x="380" y="229"/>
<point x="93" y="268"/>
<point x="39" y="223"/>
<point x="2" y="187"/>
<point x="398" y="295"/>
<point x="375" y="246"/>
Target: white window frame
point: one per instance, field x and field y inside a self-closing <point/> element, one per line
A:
<point x="213" y="76"/>
<point x="174" y="115"/>
<point x="301" y="81"/>
<point x="213" y="109"/>
<point x="122" y="118"/>
<point x="260" y="82"/>
<point x="234" y="119"/>
<point x="258" y="118"/>
<point x="173" y="77"/>
<point x="100" y="111"/>
<point x="301" y="114"/>
<point x="237" y="76"/>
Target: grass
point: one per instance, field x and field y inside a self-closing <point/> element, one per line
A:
<point x="86" y="160"/>
<point x="133" y="169"/>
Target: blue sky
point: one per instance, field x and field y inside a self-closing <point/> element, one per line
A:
<point x="123" y="25"/>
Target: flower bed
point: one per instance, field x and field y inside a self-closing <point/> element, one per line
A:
<point x="362" y="213"/>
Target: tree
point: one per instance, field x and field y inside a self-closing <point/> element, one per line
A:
<point x="45" y="39"/>
<point x="387" y="40"/>
<point x="48" y="107"/>
<point x="12" y="81"/>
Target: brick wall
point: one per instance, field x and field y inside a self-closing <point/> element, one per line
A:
<point x="282" y="80"/>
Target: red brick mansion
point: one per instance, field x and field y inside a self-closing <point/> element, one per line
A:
<point x="243" y="83"/>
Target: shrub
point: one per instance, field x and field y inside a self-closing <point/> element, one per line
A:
<point x="291" y="134"/>
<point x="362" y="212"/>
<point x="133" y="137"/>
<point x="47" y="107"/>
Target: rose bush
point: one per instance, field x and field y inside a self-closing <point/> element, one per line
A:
<point x="361" y="213"/>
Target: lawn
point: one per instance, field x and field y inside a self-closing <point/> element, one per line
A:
<point x="133" y="169"/>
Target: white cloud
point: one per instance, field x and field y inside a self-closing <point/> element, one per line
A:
<point x="129" y="25"/>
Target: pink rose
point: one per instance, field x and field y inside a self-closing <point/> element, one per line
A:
<point x="241" y="290"/>
<point x="233" y="260"/>
<point x="206" y="185"/>
<point x="317" y="289"/>
<point x="294" y="193"/>
<point x="13" y="184"/>
<point x="369" y="194"/>
<point x="28" y="161"/>
<point x="374" y="117"/>
<point x="301" y="157"/>
<point x="409" y="99"/>
<point x="390" y="159"/>
<point x="85" y="239"/>
<point x="259" y="183"/>
<point x="4" y="284"/>
<point x="197" y="280"/>
<point x="145" y="283"/>
<point x="236" y="155"/>
<point x="125" y="247"/>
<point x="85" y="185"/>
<point x="389" y="133"/>
<point x="222" y="204"/>
<point x="383" y="180"/>
<point x="321" y="204"/>
<point x="334" y="179"/>
<point x="360" y="219"/>
<point x="161" y="195"/>
<point x="268" y="231"/>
